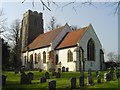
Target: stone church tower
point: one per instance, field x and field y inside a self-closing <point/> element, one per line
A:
<point x="32" y="26"/>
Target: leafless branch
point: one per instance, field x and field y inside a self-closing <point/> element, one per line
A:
<point x="23" y="1"/>
<point x="44" y="5"/>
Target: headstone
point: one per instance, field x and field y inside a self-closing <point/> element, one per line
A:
<point x="47" y="76"/>
<point x="58" y="75"/>
<point x="3" y="80"/>
<point x="63" y="69"/>
<point x="81" y="79"/>
<point x="30" y="75"/>
<point x="25" y="79"/>
<point x="98" y="79"/>
<point x="53" y="72"/>
<point x="90" y="80"/>
<point x="16" y="71"/>
<point x="67" y="69"/>
<point x="22" y="70"/>
<point x="52" y="85"/>
<point x="73" y="83"/>
<point x="107" y="77"/>
<point x="59" y="69"/>
<point x="97" y="73"/>
<point x="40" y="70"/>
<point x="42" y="79"/>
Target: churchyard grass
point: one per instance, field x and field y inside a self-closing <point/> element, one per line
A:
<point x="13" y="81"/>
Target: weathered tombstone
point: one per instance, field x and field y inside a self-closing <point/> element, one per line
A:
<point x="25" y="79"/>
<point x="30" y="75"/>
<point x="42" y="79"/>
<point x="98" y="79"/>
<point x="73" y="83"/>
<point x="53" y="72"/>
<point x="59" y="69"/>
<point x="81" y="79"/>
<point x="52" y="85"/>
<point x="90" y="80"/>
<point x="22" y="70"/>
<point x="3" y="80"/>
<point x="67" y="69"/>
<point x="63" y="69"/>
<point x="58" y="75"/>
<point x="97" y="73"/>
<point x="47" y="76"/>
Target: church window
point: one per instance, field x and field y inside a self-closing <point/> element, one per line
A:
<point x="70" y="56"/>
<point x="91" y="50"/>
<point x="44" y="57"/>
<point x="36" y="59"/>
<point x="39" y="57"/>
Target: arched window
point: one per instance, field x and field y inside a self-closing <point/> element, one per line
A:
<point x="56" y="59"/>
<point x="39" y="57"/>
<point x="70" y="56"/>
<point x="36" y="61"/>
<point x="44" y="57"/>
<point x="91" y="50"/>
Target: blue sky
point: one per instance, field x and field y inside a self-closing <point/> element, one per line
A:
<point x="103" y="19"/>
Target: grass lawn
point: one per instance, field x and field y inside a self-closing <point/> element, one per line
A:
<point x="13" y="81"/>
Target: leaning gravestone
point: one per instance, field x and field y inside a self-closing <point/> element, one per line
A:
<point x="59" y="69"/>
<point x="63" y="69"/>
<point x="81" y="79"/>
<point x="3" y="80"/>
<point x="98" y="79"/>
<point x="42" y="79"/>
<point x="52" y="85"/>
<point x="47" y="75"/>
<point x="90" y="80"/>
<point x="73" y="83"/>
<point x="30" y="75"/>
<point x="58" y="75"/>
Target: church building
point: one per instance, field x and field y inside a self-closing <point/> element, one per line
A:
<point x="77" y="50"/>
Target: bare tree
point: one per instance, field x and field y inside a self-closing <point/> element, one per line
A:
<point x="14" y="37"/>
<point x="2" y="22"/>
<point x="53" y="24"/>
<point x="81" y="3"/>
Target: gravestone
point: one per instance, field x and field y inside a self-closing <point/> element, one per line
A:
<point x="53" y="72"/>
<point x="58" y="75"/>
<point x="98" y="79"/>
<point x="81" y="79"/>
<point x="90" y="79"/>
<point x="97" y="73"/>
<point x="52" y="85"/>
<point x="16" y="71"/>
<point x="42" y="79"/>
<point x="3" y="80"/>
<point x="40" y="70"/>
<point x="63" y="69"/>
<point x="30" y="75"/>
<point x="25" y="79"/>
<point x="47" y="75"/>
<point x="73" y="83"/>
<point x="22" y="70"/>
<point x="59" y="69"/>
<point x="107" y="77"/>
<point x="67" y="69"/>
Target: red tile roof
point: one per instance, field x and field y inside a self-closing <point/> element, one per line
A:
<point x="72" y="38"/>
<point x="45" y="39"/>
